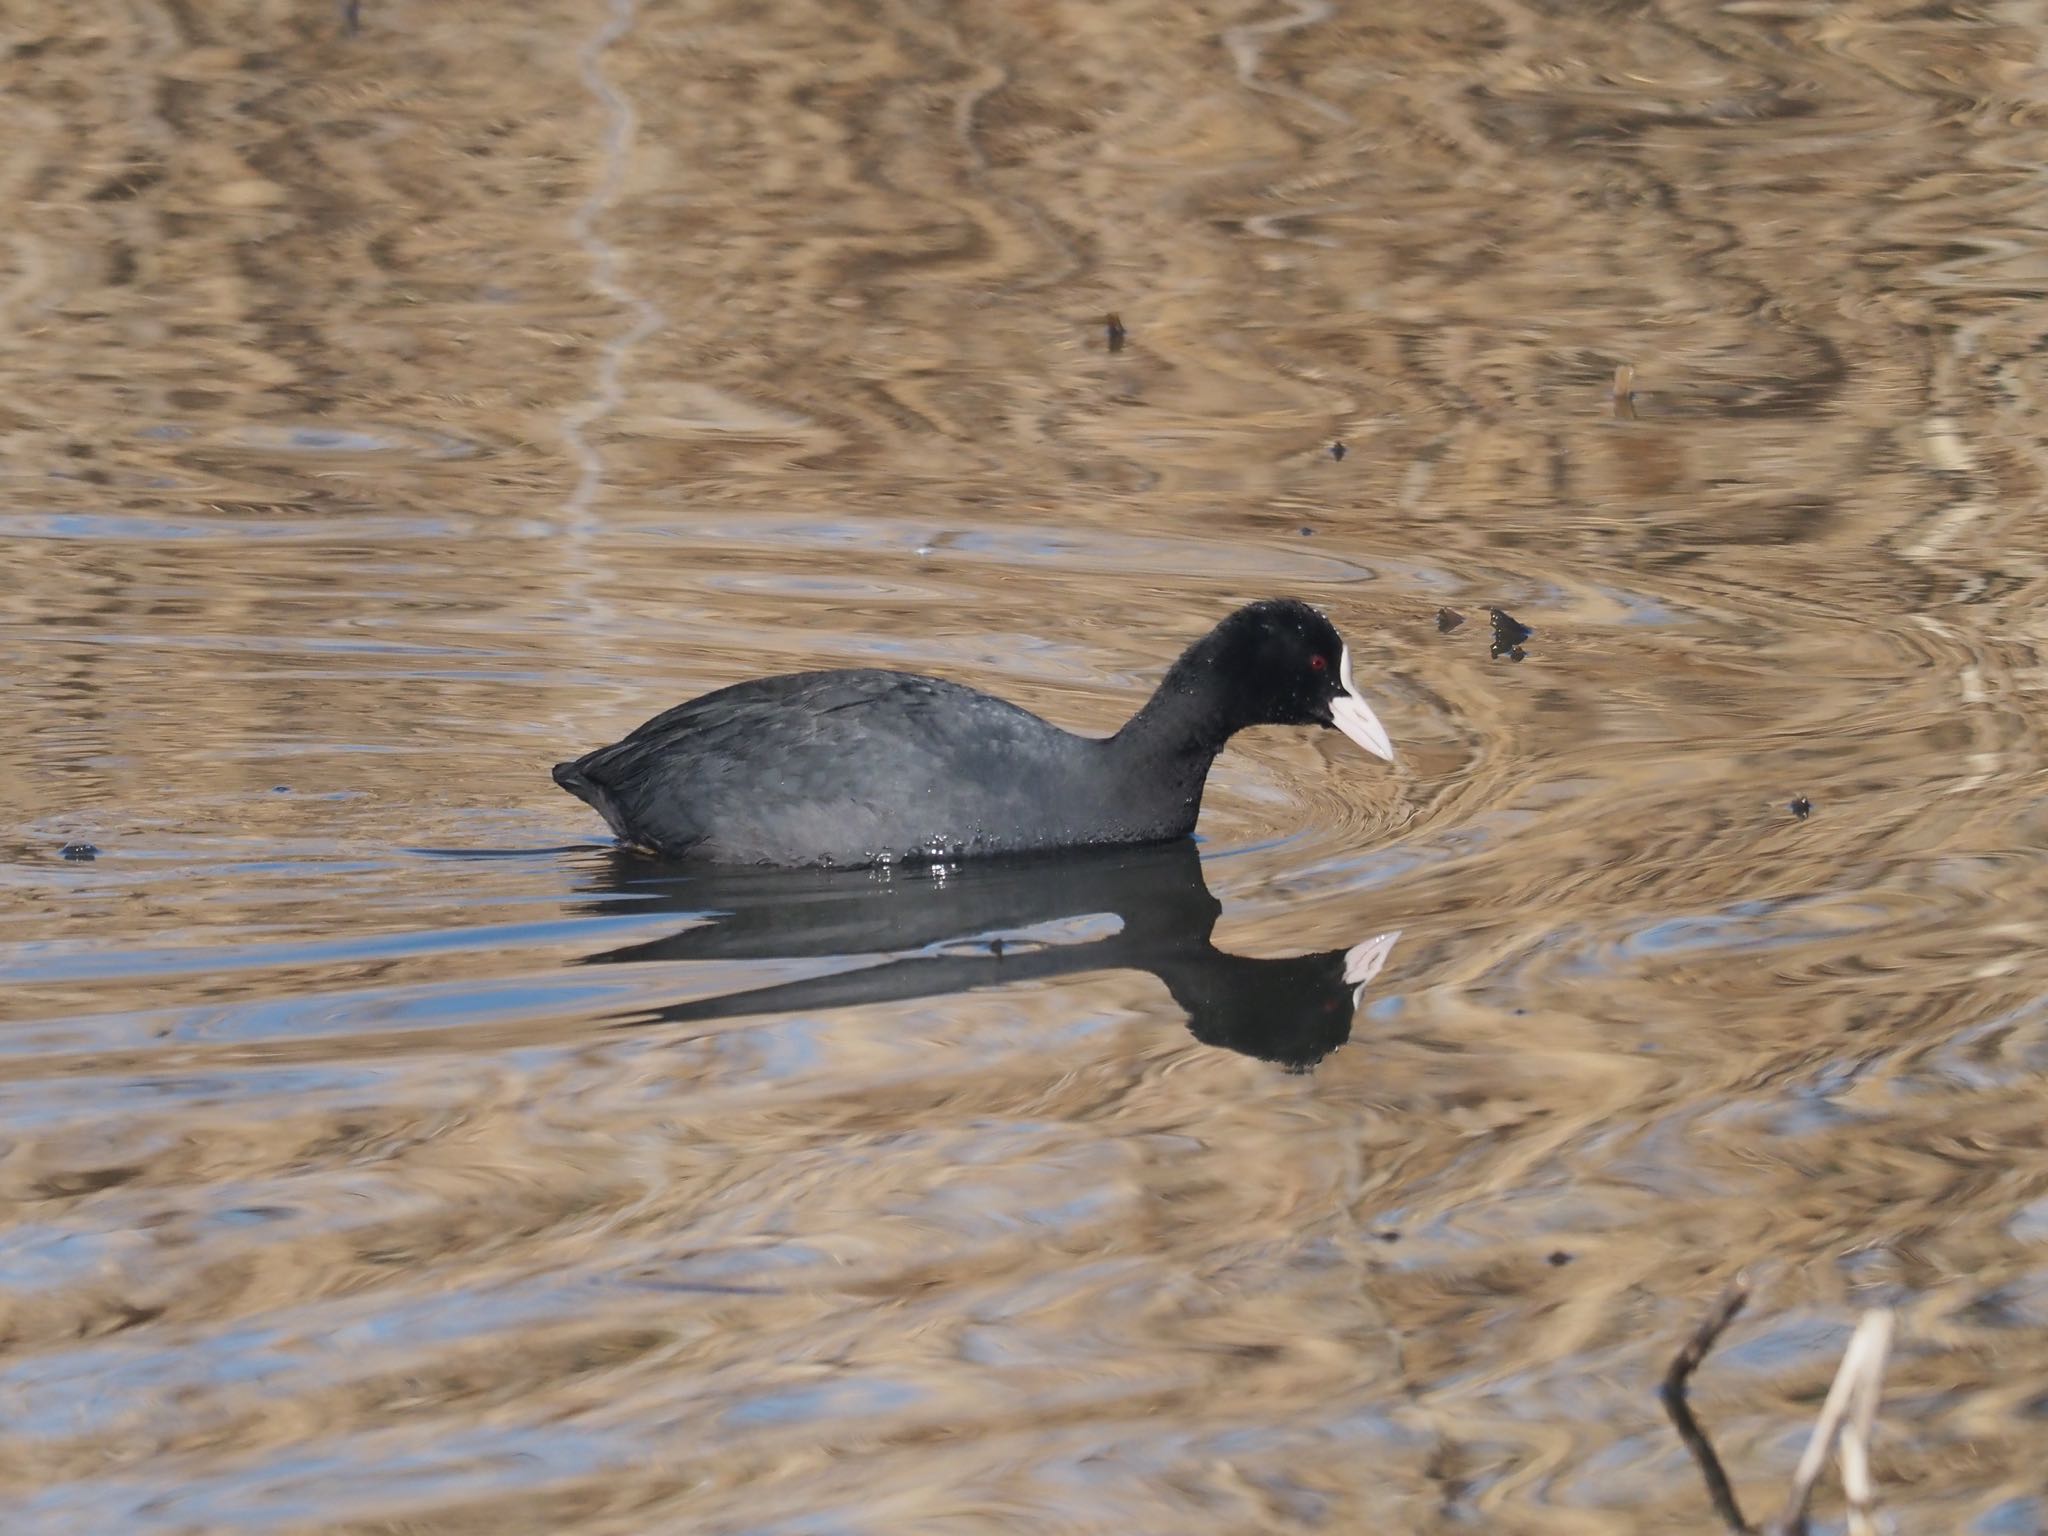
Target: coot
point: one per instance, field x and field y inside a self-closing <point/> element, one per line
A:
<point x="866" y="766"/>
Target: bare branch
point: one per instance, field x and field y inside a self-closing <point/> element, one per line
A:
<point x="1856" y="1481"/>
<point x="1673" y="1393"/>
<point x="1856" y="1384"/>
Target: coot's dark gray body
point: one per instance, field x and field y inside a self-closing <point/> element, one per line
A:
<point x="866" y="766"/>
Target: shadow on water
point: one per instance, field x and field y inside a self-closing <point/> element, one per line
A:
<point x="932" y="933"/>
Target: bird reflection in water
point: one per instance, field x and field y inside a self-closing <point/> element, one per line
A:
<point x="921" y="933"/>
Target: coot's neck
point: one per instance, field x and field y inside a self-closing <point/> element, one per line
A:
<point x="1169" y="744"/>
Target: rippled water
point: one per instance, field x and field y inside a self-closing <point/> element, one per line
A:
<point x="386" y="415"/>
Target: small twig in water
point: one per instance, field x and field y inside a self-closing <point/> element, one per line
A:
<point x="1851" y="1401"/>
<point x="1846" y="1421"/>
<point x="1673" y="1392"/>
<point x="1856" y="1480"/>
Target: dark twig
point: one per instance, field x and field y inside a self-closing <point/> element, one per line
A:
<point x="1847" y="1420"/>
<point x="1673" y="1393"/>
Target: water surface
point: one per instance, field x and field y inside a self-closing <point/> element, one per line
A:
<point x="385" y="416"/>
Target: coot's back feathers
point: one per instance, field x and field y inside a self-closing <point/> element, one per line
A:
<point x="825" y="768"/>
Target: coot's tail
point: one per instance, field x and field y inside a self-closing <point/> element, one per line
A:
<point x="570" y="776"/>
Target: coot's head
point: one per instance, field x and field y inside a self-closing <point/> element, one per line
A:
<point x="1282" y="663"/>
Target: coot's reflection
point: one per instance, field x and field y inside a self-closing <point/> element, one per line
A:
<point x="924" y="934"/>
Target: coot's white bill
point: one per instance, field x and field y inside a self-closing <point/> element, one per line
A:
<point x="1362" y="962"/>
<point x="1354" y="717"/>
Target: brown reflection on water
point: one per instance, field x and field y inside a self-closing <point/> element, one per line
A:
<point x="335" y="1200"/>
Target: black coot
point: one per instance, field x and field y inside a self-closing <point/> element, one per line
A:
<point x="864" y="766"/>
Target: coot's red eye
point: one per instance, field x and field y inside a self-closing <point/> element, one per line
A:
<point x="1318" y="664"/>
